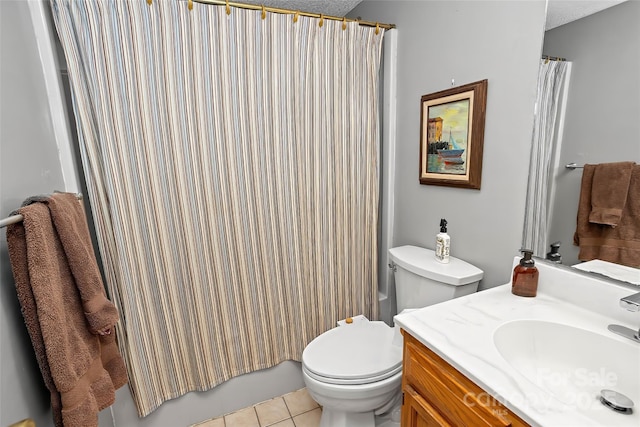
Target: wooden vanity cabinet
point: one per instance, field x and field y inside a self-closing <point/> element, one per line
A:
<point x="435" y="394"/>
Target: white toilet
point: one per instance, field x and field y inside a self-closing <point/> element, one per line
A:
<point x="354" y="371"/>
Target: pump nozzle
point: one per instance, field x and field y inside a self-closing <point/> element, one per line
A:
<point x="443" y="225"/>
<point x="526" y="260"/>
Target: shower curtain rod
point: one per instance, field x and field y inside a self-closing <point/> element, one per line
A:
<point x="553" y="58"/>
<point x="292" y="12"/>
<point x="14" y="219"/>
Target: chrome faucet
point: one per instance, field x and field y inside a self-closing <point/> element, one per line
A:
<point x="630" y="303"/>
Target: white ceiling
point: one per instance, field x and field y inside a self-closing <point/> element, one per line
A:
<point x="559" y="12"/>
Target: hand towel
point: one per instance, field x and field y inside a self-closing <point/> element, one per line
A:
<point x="609" y="192"/>
<point x="64" y="305"/>
<point x="620" y="244"/>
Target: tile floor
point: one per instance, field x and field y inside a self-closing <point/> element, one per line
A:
<point x="296" y="409"/>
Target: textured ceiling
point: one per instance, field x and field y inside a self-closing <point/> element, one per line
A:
<point x="560" y="12"/>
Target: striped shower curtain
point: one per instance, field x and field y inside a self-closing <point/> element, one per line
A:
<point x="551" y="79"/>
<point x="232" y="167"/>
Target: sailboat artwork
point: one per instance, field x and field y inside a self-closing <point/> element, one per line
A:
<point x="452" y="154"/>
<point x="447" y="155"/>
<point x="452" y="136"/>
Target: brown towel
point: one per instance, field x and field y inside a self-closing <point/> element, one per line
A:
<point x="620" y="244"/>
<point x="609" y="192"/>
<point x="64" y="304"/>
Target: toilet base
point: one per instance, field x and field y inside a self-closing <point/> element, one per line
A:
<point x="390" y="418"/>
<point x="387" y="416"/>
<point x="346" y="419"/>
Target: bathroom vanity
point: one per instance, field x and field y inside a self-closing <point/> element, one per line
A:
<point x="436" y="394"/>
<point x="496" y="359"/>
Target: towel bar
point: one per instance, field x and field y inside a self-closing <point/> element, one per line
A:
<point x="573" y="166"/>
<point x="13" y="219"/>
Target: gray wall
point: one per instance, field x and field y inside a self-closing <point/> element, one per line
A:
<point x="28" y="165"/>
<point x="466" y="41"/>
<point x="603" y="111"/>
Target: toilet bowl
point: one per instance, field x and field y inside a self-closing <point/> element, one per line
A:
<point x="354" y="371"/>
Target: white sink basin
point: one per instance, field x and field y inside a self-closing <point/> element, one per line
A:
<point x="574" y="365"/>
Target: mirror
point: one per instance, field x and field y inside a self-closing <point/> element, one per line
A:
<point x="600" y="120"/>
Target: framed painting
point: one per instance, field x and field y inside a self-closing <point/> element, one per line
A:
<point x="452" y="136"/>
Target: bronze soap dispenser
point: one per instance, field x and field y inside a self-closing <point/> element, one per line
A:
<point x="524" y="282"/>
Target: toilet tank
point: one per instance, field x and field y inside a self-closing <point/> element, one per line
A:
<point x="421" y="280"/>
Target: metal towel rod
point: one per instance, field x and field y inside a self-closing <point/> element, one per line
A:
<point x="13" y="219"/>
<point x="573" y="166"/>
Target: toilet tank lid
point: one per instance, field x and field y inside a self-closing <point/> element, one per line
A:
<point x="422" y="261"/>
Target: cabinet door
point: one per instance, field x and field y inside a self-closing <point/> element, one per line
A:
<point x="417" y="412"/>
<point x="455" y="400"/>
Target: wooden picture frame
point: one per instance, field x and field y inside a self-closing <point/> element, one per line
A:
<point x="452" y="136"/>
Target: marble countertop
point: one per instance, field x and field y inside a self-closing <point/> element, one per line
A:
<point x="461" y="332"/>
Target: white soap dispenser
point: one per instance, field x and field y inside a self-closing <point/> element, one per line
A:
<point x="443" y="243"/>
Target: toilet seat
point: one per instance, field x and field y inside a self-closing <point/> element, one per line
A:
<point x="352" y="381"/>
<point x="354" y="354"/>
